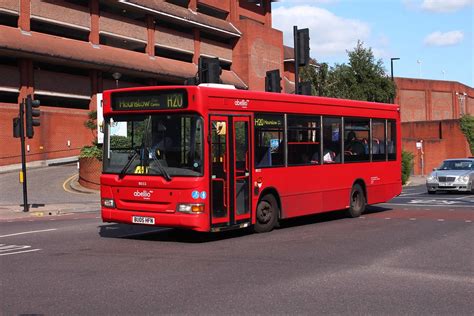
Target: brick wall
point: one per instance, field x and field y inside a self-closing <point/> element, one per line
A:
<point x="441" y="140"/>
<point x="50" y="139"/>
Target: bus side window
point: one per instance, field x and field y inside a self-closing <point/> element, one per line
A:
<point x="391" y="140"/>
<point x="268" y="140"/>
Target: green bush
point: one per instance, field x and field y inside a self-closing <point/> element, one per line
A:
<point x="407" y="165"/>
<point x="91" y="152"/>
<point x="120" y="142"/>
<point x="467" y="127"/>
<point x="94" y="150"/>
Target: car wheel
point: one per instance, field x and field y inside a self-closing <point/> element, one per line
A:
<point x="357" y="201"/>
<point x="266" y="215"/>
<point x="431" y="192"/>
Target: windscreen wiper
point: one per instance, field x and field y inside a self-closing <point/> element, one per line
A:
<point x="129" y="162"/>
<point x="162" y="169"/>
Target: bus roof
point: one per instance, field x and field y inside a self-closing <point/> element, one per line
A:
<point x="243" y="98"/>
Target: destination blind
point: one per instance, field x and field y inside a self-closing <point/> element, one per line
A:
<point x="149" y="100"/>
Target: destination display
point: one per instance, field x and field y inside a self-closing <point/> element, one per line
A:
<point x="149" y="100"/>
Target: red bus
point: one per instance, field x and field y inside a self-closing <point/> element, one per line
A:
<point x="211" y="159"/>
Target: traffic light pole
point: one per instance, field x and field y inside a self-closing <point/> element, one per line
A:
<point x="295" y="39"/>
<point x="23" y="156"/>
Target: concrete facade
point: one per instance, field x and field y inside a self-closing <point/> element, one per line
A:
<point x="430" y="111"/>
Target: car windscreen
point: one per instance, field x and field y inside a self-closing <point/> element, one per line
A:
<point x="457" y="165"/>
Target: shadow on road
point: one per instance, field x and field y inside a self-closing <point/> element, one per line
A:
<point x="166" y="234"/>
<point x="137" y="232"/>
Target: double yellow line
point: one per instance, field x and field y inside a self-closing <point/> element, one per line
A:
<point x="69" y="180"/>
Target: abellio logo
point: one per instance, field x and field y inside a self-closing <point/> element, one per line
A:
<point x="143" y="194"/>
<point x="242" y="103"/>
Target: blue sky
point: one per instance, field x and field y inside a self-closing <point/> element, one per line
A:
<point x="432" y="38"/>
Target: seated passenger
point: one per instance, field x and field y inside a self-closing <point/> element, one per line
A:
<point x="329" y="156"/>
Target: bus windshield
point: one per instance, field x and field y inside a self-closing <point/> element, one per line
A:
<point x="157" y="144"/>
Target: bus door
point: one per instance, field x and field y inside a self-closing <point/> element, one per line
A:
<point x="230" y="170"/>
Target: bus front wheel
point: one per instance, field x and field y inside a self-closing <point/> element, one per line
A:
<point x="357" y="201"/>
<point x="266" y="215"/>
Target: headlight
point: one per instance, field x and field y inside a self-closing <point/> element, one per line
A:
<point x="463" y="179"/>
<point x="190" y="208"/>
<point x="109" y="203"/>
<point x="431" y="178"/>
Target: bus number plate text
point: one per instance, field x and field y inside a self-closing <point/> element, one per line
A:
<point x="143" y="220"/>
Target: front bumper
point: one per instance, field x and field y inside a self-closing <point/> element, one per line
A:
<point x="197" y="222"/>
<point x="449" y="186"/>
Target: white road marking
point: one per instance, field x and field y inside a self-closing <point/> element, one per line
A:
<point x="433" y="205"/>
<point x="29" y="232"/>
<point x="408" y="194"/>
<point x="12" y="247"/>
<point x="15" y="253"/>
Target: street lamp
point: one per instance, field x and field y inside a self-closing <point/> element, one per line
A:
<point x="116" y="76"/>
<point x="391" y="65"/>
<point x="419" y="67"/>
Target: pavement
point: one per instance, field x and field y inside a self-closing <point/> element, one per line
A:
<point x="416" y="180"/>
<point x="52" y="191"/>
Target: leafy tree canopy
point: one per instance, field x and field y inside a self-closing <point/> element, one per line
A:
<point x="363" y="78"/>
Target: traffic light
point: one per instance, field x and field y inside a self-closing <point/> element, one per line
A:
<point x="16" y="127"/>
<point x="32" y="115"/>
<point x="272" y="81"/>
<point x="302" y="39"/>
<point x="305" y="88"/>
<point x="209" y="70"/>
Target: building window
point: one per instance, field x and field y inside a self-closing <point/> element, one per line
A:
<point x="8" y="19"/>
<point x="59" y="30"/>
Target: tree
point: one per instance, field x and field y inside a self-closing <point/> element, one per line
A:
<point x="317" y="74"/>
<point x="364" y="78"/>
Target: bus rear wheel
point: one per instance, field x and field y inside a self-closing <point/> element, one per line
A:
<point x="266" y="215"/>
<point x="357" y="201"/>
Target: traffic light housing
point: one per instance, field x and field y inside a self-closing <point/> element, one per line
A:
<point x="272" y="81"/>
<point x="305" y="88"/>
<point x="209" y="70"/>
<point x="32" y="115"/>
<point x="302" y="39"/>
<point x="16" y="127"/>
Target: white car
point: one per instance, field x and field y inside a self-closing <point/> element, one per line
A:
<point x="453" y="175"/>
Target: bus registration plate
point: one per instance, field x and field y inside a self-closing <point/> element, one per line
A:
<point x="143" y="220"/>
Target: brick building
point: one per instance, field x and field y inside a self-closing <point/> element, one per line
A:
<point x="65" y="52"/>
<point x="430" y="111"/>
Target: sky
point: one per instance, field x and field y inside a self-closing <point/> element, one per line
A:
<point x="434" y="39"/>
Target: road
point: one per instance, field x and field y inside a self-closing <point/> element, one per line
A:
<point x="399" y="258"/>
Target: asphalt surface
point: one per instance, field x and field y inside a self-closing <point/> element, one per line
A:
<point x="318" y="265"/>
<point x="398" y="258"/>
